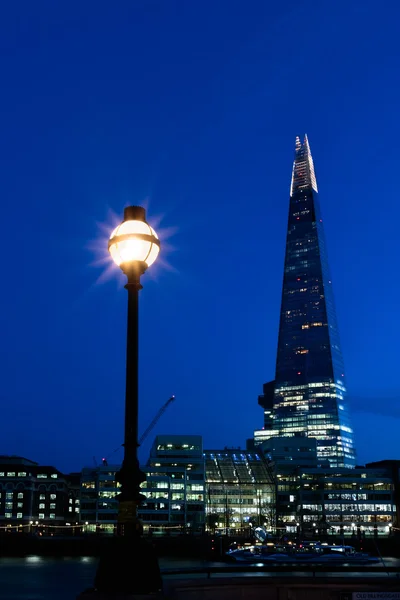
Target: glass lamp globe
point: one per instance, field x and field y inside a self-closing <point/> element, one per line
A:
<point x="134" y="241"/>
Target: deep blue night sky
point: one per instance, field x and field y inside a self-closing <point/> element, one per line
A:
<point x="191" y="108"/>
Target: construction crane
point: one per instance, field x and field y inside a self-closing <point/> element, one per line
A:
<point x="144" y="434"/>
<point x="155" y="420"/>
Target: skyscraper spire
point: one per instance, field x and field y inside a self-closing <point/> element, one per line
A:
<point x="303" y="173"/>
<point x="308" y="396"/>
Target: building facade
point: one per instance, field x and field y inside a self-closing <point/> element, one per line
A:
<point x="308" y="395"/>
<point x="72" y="516"/>
<point x="98" y="497"/>
<point x="392" y="468"/>
<point x="173" y="490"/>
<point x="314" y="499"/>
<point x="175" y="485"/>
<point x="358" y="502"/>
<point x="240" y="490"/>
<point x="31" y="494"/>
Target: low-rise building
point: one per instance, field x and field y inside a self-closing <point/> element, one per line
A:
<point x="31" y="494"/>
<point x="240" y="490"/>
<point x="313" y="498"/>
<point x="99" y="504"/>
<point x="72" y="516"/>
<point x="346" y="502"/>
<point x="175" y="485"/>
<point x="173" y="490"/>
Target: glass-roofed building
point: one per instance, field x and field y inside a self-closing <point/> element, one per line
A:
<point x="239" y="490"/>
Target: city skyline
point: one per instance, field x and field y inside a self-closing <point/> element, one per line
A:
<point x="308" y="394"/>
<point x="150" y="104"/>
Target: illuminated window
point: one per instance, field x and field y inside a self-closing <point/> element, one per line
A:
<point x="9" y="505"/>
<point x="52" y="506"/>
<point x="41" y="515"/>
<point x="53" y="496"/>
<point x="42" y="497"/>
<point x="41" y="505"/>
<point x="42" y="476"/>
<point x="197" y="497"/>
<point x="177" y="486"/>
<point x="19" y="515"/>
<point x="9" y="495"/>
<point x="20" y="505"/>
<point x="8" y="515"/>
<point x="177" y="496"/>
<point x="20" y="495"/>
<point x="22" y="474"/>
<point x="52" y="516"/>
<point x="54" y="475"/>
<point x="11" y="474"/>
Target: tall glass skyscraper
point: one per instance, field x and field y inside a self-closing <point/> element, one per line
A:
<point x="308" y="394"/>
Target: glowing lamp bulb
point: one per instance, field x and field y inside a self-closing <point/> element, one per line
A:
<point x="134" y="241"/>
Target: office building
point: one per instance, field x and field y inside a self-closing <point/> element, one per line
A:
<point x="31" y="493"/>
<point x="286" y="453"/>
<point x="308" y="395"/>
<point x="72" y="516"/>
<point x="239" y="490"/>
<point x="316" y="500"/>
<point x="99" y="504"/>
<point x="174" y="489"/>
<point x="392" y="468"/>
<point x="174" y="486"/>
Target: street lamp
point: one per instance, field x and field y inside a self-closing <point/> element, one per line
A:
<point x="129" y="564"/>
<point x="133" y="246"/>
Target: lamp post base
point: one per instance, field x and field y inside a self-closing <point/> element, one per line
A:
<point x="129" y="565"/>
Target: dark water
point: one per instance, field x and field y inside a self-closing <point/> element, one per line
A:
<point x="42" y="578"/>
<point x="37" y="578"/>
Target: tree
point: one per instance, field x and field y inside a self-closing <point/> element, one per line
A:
<point x="268" y="514"/>
<point x="212" y="520"/>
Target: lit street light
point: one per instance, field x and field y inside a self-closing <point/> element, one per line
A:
<point x="133" y="246"/>
<point x="129" y="564"/>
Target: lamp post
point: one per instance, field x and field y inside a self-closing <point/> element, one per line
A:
<point x="133" y="246"/>
<point x="129" y="565"/>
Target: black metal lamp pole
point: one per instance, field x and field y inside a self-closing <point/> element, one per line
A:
<point x="129" y="564"/>
<point x="130" y="475"/>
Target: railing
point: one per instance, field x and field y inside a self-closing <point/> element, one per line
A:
<point x="298" y="570"/>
